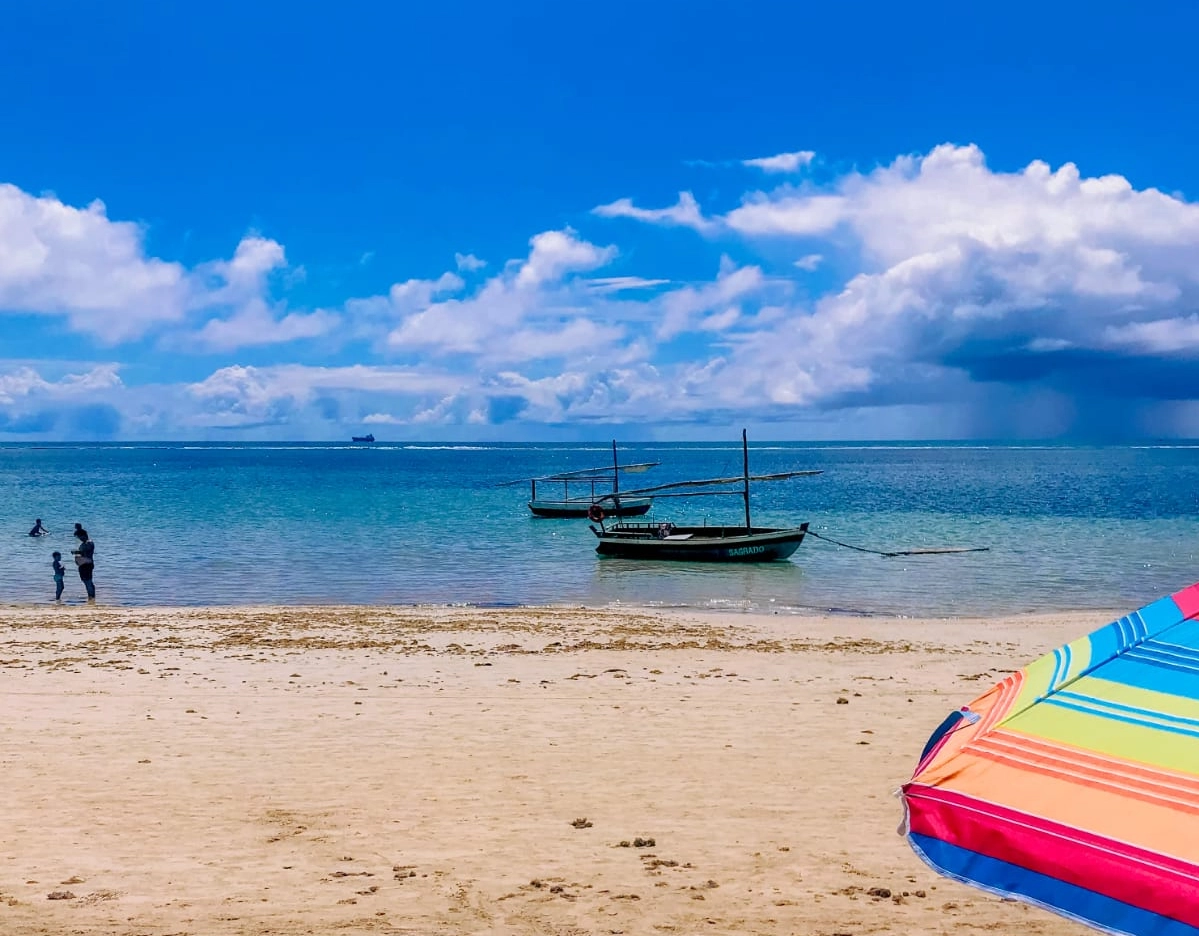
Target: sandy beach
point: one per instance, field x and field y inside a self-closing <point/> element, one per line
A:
<point x="523" y="771"/>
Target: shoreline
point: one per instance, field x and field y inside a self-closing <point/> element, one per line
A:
<point x="672" y="610"/>
<point x="283" y="770"/>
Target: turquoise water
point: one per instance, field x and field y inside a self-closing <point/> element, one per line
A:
<point x="1068" y="527"/>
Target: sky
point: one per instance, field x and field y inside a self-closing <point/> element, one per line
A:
<point x="654" y="220"/>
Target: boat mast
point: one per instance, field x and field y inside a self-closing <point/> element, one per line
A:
<point x="745" y="461"/>
<point x="615" y="470"/>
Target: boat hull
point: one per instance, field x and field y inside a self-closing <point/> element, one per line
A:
<point x="699" y="544"/>
<point x="628" y="507"/>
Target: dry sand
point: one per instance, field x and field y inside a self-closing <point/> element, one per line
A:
<point x="346" y="770"/>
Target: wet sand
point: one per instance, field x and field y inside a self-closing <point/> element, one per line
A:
<point x="525" y="771"/>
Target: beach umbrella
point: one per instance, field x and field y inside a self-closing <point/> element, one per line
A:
<point x="1074" y="783"/>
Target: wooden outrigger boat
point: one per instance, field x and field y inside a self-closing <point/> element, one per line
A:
<point x="700" y="543"/>
<point x="581" y="490"/>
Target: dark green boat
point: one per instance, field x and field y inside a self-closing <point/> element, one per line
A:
<point x="665" y="541"/>
<point x="698" y="544"/>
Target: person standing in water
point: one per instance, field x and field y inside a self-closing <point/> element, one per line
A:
<point x="85" y="560"/>
<point x="59" y="572"/>
<point x="38" y="529"/>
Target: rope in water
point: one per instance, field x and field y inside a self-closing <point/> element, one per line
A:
<point x="931" y="551"/>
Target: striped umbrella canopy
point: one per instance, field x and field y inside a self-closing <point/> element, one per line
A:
<point x="1074" y="783"/>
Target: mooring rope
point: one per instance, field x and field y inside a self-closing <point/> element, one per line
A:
<point x="935" y="550"/>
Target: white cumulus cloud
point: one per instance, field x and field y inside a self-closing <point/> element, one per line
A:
<point x="555" y="253"/>
<point x="963" y="268"/>
<point x="255" y="323"/>
<point x="532" y="310"/>
<point x="59" y="260"/>
<point x="56" y="259"/>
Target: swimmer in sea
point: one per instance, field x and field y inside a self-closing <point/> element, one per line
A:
<point x="38" y="529"/>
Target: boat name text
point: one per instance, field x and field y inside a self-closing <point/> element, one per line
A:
<point x="746" y="550"/>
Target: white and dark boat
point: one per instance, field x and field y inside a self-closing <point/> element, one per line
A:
<point x="575" y="493"/>
<point x="369" y="437"/>
<point x="666" y="541"/>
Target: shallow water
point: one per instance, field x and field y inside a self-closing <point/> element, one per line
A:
<point x="1068" y="527"/>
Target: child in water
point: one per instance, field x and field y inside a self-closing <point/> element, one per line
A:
<point x="59" y="571"/>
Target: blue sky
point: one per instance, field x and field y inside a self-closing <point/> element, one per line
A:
<point x="545" y="220"/>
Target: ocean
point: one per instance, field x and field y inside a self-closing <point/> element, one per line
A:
<point x="1067" y="527"/>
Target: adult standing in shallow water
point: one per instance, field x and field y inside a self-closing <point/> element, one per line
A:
<point x="85" y="560"/>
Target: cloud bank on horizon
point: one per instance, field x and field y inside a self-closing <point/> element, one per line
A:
<point x="929" y="296"/>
